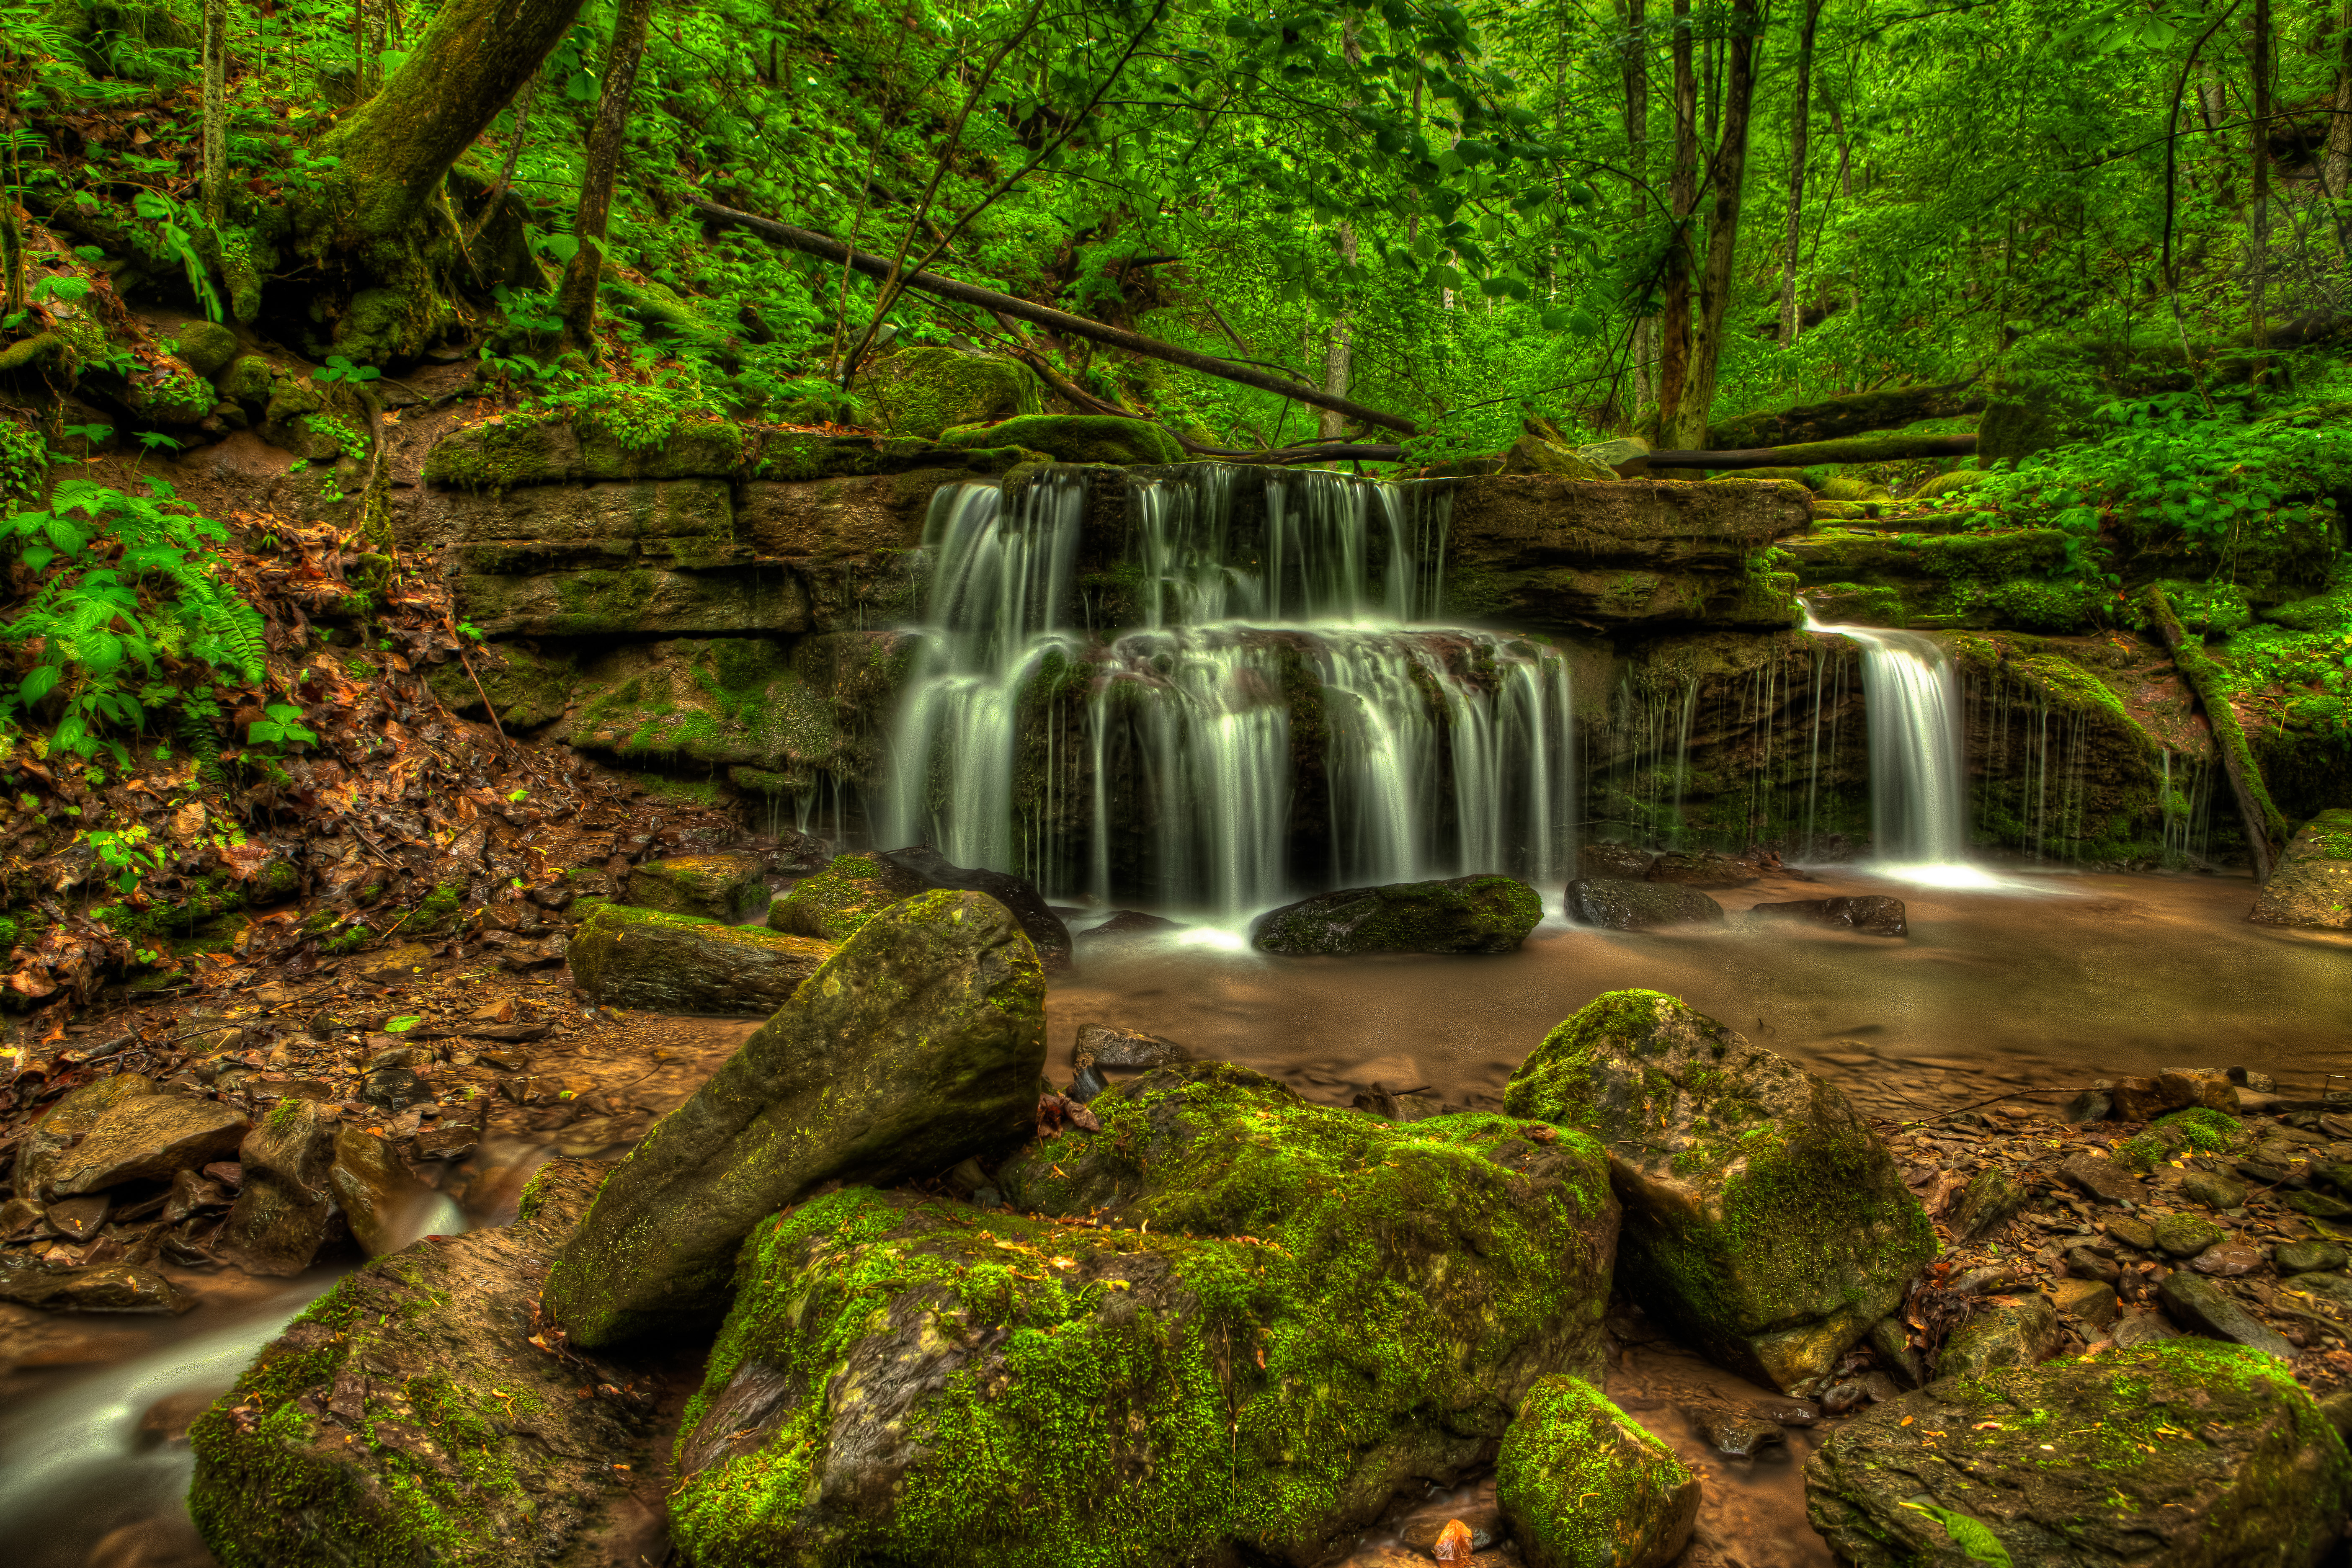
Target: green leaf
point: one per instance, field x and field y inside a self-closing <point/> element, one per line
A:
<point x="401" y="1026"/>
<point x="1969" y="1535"/>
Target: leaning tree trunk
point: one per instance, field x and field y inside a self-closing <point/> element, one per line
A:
<point x="214" y="58"/>
<point x="1634" y="16"/>
<point x="576" y="301"/>
<point x="1797" y="127"/>
<point x="1716" y="280"/>
<point x="2336" y="160"/>
<point x="1682" y="196"/>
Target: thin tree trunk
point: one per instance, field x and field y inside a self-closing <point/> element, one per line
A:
<point x="1716" y="280"/>
<point x="576" y="299"/>
<point x="2336" y="157"/>
<point x="215" y="111"/>
<point x="1845" y="151"/>
<point x="2259" y="137"/>
<point x="514" y="156"/>
<point x="1634" y="16"/>
<point x="1682" y="196"/>
<point x="1797" y="127"/>
<point x="1339" y="352"/>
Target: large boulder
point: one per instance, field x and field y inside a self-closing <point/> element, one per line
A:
<point x="1466" y="914"/>
<point x="45" y="1142"/>
<point x="148" y="1137"/>
<point x="1038" y="921"/>
<point x="285" y="1207"/>
<point x="2177" y="1454"/>
<point x="1231" y="1326"/>
<point x="920" y="392"/>
<point x="720" y="887"/>
<point x="1621" y="904"/>
<point x="1075" y="438"/>
<point x="407" y="1417"/>
<point x="628" y="957"/>
<point x="2312" y="886"/>
<point x="831" y="905"/>
<point x="1571" y="1447"/>
<point x="920" y="1043"/>
<point x="1763" y="1218"/>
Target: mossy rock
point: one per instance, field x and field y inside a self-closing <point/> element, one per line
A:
<point x="723" y="702"/>
<point x="722" y="886"/>
<point x="1282" y="1314"/>
<point x="1585" y="1487"/>
<point x="1844" y="486"/>
<point x="1763" y="1218"/>
<point x="629" y="957"/>
<point x="403" y="1418"/>
<point x="205" y="347"/>
<point x="1075" y="438"/>
<point x="1619" y="903"/>
<point x="1858" y="605"/>
<point x="2312" y="886"/>
<point x="525" y="687"/>
<point x="1531" y="454"/>
<point x="921" y="1043"/>
<point x="1785" y="476"/>
<point x="2186" y="1452"/>
<point x="1466" y="914"/>
<point x="832" y="905"/>
<point x="247" y="381"/>
<point x="504" y="453"/>
<point x="922" y="392"/>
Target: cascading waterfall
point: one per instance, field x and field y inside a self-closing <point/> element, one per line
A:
<point x="1918" y="787"/>
<point x="1279" y="716"/>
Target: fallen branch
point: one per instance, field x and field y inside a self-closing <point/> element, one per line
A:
<point x="1804" y="455"/>
<point x="2260" y="819"/>
<point x="809" y="243"/>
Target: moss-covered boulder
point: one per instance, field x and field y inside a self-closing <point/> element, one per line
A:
<point x="205" y="347"/>
<point x="1042" y="927"/>
<point x="1466" y="914"/>
<point x="919" y="1044"/>
<point x="1763" y="1218"/>
<point x="832" y="905"/>
<point x="921" y="391"/>
<point x="1619" y="903"/>
<point x="406" y="1419"/>
<point x="2182" y="1453"/>
<point x="505" y="452"/>
<point x="629" y="957"/>
<point x="2312" y="886"/>
<point x="1585" y="1487"/>
<point x="1075" y="438"/>
<point x="720" y="887"/>
<point x="1283" y="1316"/>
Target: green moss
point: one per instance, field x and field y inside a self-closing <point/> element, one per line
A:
<point x="1075" y="438"/>
<point x="921" y="391"/>
<point x="837" y="901"/>
<point x="2210" y="1130"/>
<point x="1585" y="1487"/>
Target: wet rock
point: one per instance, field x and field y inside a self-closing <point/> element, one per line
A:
<point x="2213" y="1190"/>
<point x="1583" y="1485"/>
<point x="1614" y="861"/>
<point x="729" y="888"/>
<point x="47" y="1140"/>
<point x="2085" y="1263"/>
<point x="96" y="1288"/>
<point x="1735" y="1433"/>
<point x="2183" y="1452"/>
<point x="194" y="1193"/>
<point x="2094" y="1175"/>
<point x="625" y="957"/>
<point x="2011" y="1331"/>
<point x="1890" y="1338"/>
<point x="2132" y="1232"/>
<point x="1992" y="1279"/>
<point x="1621" y="905"/>
<point x="19" y="1218"/>
<point x="1465" y="915"/>
<point x="852" y="890"/>
<point x="285" y="1210"/>
<point x="2310" y="1256"/>
<point x="2318" y="1205"/>
<point x="1231" y="1212"/>
<point x="2202" y="1306"/>
<point x="2311" y="888"/>
<point x="2145" y="1099"/>
<point x="920" y="1042"/>
<point x="407" y="1412"/>
<point x="380" y="1200"/>
<point x="2092" y="1300"/>
<point x="2334" y="1287"/>
<point x="2090" y="1105"/>
<point x="1763" y="1218"/>
<point x="2227" y="1259"/>
<point x="1126" y="924"/>
<point x="1108" y="1048"/>
<point x="78" y="1219"/>
<point x="147" y="1137"/>
<point x="1087" y="1083"/>
<point x="1042" y="927"/>
<point x="2333" y="1175"/>
<point x="1878" y="915"/>
<point x="1481" y="1522"/>
<point x="1990" y="1200"/>
<point x="1708" y="869"/>
<point x="2187" y="1235"/>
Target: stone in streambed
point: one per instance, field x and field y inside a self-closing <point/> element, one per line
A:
<point x="284" y="1209"/>
<point x="1620" y="904"/>
<point x="1038" y="921"/>
<point x="922" y="1041"/>
<point x="1763" y="1218"/>
<point x="2213" y="1190"/>
<point x="1732" y="1432"/>
<point x="1620" y="862"/>
<point x="47" y="1140"/>
<point x="2184" y="1454"/>
<point x="726" y="887"/>
<point x="1585" y="1487"/>
<point x="2092" y="1300"/>
<point x="2008" y="1330"/>
<point x="380" y="1201"/>
<point x="1465" y="915"/>
<point x="2310" y="1256"/>
<point x="2312" y="888"/>
<point x="2187" y="1235"/>
<point x="1106" y="1047"/>
<point x="1878" y="915"/>
<point x="1706" y="869"/>
<point x="2202" y="1306"/>
<point x="96" y="1287"/>
<point x="1286" y="1314"/>
<point x="1990" y="1200"/>
<point x="625" y="957"/>
<point x="405" y="1417"/>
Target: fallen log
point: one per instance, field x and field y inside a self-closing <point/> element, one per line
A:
<point x="2260" y="817"/>
<point x="825" y="249"/>
<point x="1804" y="455"/>
<point x="1854" y="414"/>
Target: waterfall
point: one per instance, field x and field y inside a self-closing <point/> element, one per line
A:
<point x="1275" y="714"/>
<point x="1918" y="787"/>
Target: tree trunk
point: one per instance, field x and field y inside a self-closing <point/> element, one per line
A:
<point x="1797" y="126"/>
<point x="1805" y="453"/>
<point x="1729" y="173"/>
<point x="1634" y="16"/>
<point x="575" y="301"/>
<point x="2256" y="813"/>
<point x="1339" y="354"/>
<point x="2335" y="156"/>
<point x="216" y="110"/>
<point x="2259" y="136"/>
<point x="1857" y="414"/>
<point x="1682" y="198"/>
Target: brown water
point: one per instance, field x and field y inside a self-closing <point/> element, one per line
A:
<point x="2094" y="975"/>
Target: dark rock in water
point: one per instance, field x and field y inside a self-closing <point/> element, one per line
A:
<point x="1615" y="861"/>
<point x="2085" y="1263"/>
<point x="47" y="1141"/>
<point x="2092" y="1300"/>
<point x="1570" y="1445"/>
<point x="2009" y="1330"/>
<point x="78" y="1219"/>
<point x="147" y="1137"/>
<point x="728" y="887"/>
<point x="625" y="957"/>
<point x="379" y="1198"/>
<point x="285" y="1208"/>
<point x="2091" y="1105"/>
<point x="1231" y="1213"/>
<point x="1876" y="914"/>
<point x="1108" y="1048"/>
<point x="1043" y="926"/>
<point x="96" y="1288"/>
<point x="1732" y="1432"/>
<point x="1127" y="923"/>
<point x="2202" y="1306"/>
<point x="1088" y="1083"/>
<point x="1622" y="905"/>
<point x="1708" y="869"/>
<point x="1466" y="914"/>
<point x="2182" y="1453"/>
<point x="1989" y="1201"/>
<point x="406" y="1416"/>
<point x="1763" y="1217"/>
<point x="921" y="1041"/>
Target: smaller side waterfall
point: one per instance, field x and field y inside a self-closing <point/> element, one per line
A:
<point x="1919" y="786"/>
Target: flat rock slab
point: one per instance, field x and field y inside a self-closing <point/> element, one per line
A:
<point x="96" y="1288"/>
<point x="148" y="1137"/>
<point x="664" y="963"/>
<point x="2098" y="1177"/>
<point x="1621" y="904"/>
<point x="720" y="887"/>
<point x="1874" y="913"/>
<point x="2202" y="1306"/>
<point x="47" y="1141"/>
<point x="1106" y="1047"/>
<point x="2183" y="1453"/>
<point x="407" y="1417"/>
<point x="1463" y="915"/>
